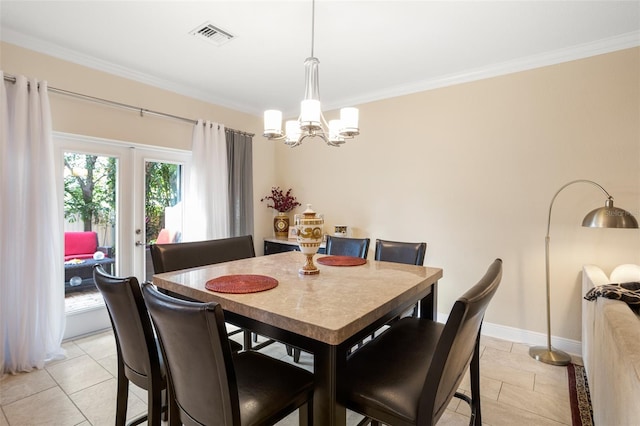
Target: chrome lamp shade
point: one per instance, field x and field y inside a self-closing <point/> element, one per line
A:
<point x="609" y="217"/>
<point x="603" y="217"/>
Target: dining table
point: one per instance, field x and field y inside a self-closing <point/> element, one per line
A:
<point x="326" y="314"/>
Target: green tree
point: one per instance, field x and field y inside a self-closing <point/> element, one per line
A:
<point x="89" y="189"/>
<point x="162" y="190"/>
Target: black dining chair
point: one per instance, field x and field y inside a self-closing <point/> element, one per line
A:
<point x="408" y="375"/>
<point x="344" y="246"/>
<point x="175" y="256"/>
<point x="212" y="386"/>
<point x="401" y="252"/>
<point x="138" y="354"/>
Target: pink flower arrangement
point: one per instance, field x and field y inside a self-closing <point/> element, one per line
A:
<point x="281" y="201"/>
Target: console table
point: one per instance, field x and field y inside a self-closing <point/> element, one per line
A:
<point x="281" y="245"/>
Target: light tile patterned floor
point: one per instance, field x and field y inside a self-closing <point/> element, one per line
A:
<point x="82" y="300"/>
<point x="81" y="389"/>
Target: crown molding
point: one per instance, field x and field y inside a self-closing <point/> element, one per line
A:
<point x="599" y="47"/>
<point x="47" y="48"/>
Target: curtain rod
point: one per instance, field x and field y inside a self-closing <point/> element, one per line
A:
<point x="142" y="111"/>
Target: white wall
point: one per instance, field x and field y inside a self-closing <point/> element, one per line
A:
<point x="471" y="170"/>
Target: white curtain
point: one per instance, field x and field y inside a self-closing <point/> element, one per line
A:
<point x="207" y="204"/>
<point x="31" y="265"/>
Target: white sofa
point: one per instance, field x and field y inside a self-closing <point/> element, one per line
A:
<point x="611" y="349"/>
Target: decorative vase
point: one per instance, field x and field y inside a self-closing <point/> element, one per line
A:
<point x="281" y="225"/>
<point x="309" y="236"/>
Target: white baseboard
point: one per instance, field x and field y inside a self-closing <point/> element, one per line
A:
<point x="531" y="338"/>
<point x="88" y="321"/>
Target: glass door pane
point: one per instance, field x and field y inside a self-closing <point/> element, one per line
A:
<point x="162" y="207"/>
<point x="160" y="179"/>
<point x="90" y="188"/>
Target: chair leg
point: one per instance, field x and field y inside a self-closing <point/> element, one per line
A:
<point x="154" y="397"/>
<point x="174" y="413"/>
<point x="305" y="415"/>
<point x="165" y="405"/>
<point x="294" y="352"/>
<point x="122" y="395"/>
<point x="474" y="401"/>
<point x="247" y="346"/>
<point x="474" y="372"/>
<point x="157" y="410"/>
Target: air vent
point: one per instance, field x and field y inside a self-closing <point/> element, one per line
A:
<point x="212" y="34"/>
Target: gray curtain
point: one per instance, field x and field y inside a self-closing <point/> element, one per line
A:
<point x="240" y="163"/>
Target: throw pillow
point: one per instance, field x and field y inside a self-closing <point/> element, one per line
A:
<point x="627" y="292"/>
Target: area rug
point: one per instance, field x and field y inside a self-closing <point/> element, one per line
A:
<point x="581" y="411"/>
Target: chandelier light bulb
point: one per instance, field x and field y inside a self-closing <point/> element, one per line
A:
<point x="349" y="119"/>
<point x="334" y="131"/>
<point x="292" y="129"/>
<point x="310" y="114"/>
<point x="273" y="123"/>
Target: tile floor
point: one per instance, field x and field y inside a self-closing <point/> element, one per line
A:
<point x="82" y="300"/>
<point x="81" y="389"/>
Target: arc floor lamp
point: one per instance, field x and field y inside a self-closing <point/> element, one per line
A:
<point x="603" y="217"/>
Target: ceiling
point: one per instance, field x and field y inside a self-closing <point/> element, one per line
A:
<point x="368" y="50"/>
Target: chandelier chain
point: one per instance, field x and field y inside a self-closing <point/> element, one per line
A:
<point x="313" y="20"/>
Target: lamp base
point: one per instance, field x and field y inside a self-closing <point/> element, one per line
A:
<point x="549" y="355"/>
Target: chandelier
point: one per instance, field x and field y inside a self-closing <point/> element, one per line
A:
<point x="311" y="123"/>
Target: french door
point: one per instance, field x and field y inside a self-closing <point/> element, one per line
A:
<point x="147" y="184"/>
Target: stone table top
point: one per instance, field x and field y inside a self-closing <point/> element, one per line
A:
<point x="329" y="307"/>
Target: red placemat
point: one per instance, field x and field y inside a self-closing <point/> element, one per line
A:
<point x="341" y="261"/>
<point x="241" y="284"/>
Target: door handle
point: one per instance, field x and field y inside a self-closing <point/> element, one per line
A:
<point x="140" y="243"/>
